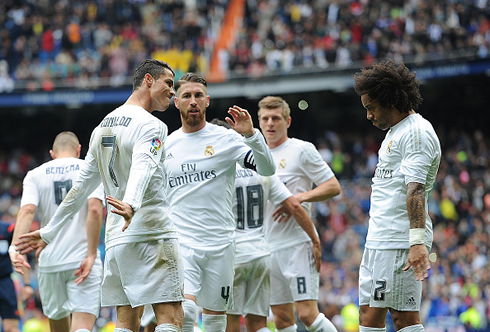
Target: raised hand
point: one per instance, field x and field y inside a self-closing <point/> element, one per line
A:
<point x="242" y="121"/>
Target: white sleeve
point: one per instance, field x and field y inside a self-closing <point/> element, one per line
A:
<point x="279" y="192"/>
<point x="99" y="194"/>
<point x="314" y="166"/>
<point x="30" y="195"/>
<point x="259" y="158"/>
<point x="417" y="160"/>
<point x="87" y="182"/>
<point x="147" y="154"/>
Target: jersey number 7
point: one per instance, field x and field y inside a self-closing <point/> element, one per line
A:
<point x="110" y="142"/>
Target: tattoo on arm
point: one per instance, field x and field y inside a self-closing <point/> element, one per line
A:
<point x="416" y="204"/>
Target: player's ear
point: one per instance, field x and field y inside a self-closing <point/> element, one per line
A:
<point x="79" y="148"/>
<point x="207" y="101"/>
<point x="52" y="154"/>
<point x="148" y="79"/>
<point x="176" y="102"/>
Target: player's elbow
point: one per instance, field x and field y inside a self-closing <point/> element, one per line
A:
<point x="95" y="209"/>
<point x="336" y="189"/>
<point x="28" y="209"/>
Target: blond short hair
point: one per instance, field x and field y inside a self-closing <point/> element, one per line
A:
<point x="272" y="102"/>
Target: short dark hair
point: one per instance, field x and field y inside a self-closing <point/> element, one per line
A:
<point x="390" y="85"/>
<point x="190" y="78"/>
<point x="155" y="68"/>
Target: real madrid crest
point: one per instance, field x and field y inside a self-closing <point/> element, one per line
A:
<point x="388" y="149"/>
<point x="209" y="151"/>
<point x="282" y="164"/>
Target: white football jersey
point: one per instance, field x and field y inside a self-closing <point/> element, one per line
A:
<point x="201" y="180"/>
<point x="252" y="192"/>
<point x="410" y="152"/>
<point x="45" y="187"/>
<point x="299" y="165"/>
<point x="126" y="153"/>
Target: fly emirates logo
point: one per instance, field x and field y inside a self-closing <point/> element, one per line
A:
<point x="190" y="174"/>
<point x="382" y="172"/>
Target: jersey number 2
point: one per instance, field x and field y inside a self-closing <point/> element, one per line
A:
<point x="110" y="142"/>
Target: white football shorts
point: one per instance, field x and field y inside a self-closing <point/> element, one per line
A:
<point x="61" y="296"/>
<point x="252" y="287"/>
<point x="143" y="273"/>
<point x="293" y="275"/>
<point x="384" y="284"/>
<point x="209" y="276"/>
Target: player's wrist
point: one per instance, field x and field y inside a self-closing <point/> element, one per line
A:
<point x="13" y="249"/>
<point x="416" y="236"/>
<point x="249" y="134"/>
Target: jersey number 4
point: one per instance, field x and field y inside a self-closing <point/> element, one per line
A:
<point x="255" y="206"/>
<point x="110" y="142"/>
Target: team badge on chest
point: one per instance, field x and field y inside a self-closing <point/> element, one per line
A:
<point x="388" y="149"/>
<point x="209" y="151"/>
<point x="282" y="164"/>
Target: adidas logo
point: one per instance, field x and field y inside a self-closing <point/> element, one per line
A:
<point x="169" y="156"/>
<point x="411" y="302"/>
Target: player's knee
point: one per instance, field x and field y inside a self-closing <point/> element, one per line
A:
<point x="306" y="317"/>
<point x="405" y="319"/>
<point x="282" y="319"/>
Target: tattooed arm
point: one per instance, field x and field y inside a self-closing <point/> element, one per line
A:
<point x="418" y="256"/>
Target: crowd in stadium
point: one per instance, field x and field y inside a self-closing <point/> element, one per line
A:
<point x="459" y="280"/>
<point x="98" y="44"/>
<point x="284" y="36"/>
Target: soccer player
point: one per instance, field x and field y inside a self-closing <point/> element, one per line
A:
<point x="251" y="287"/>
<point x="9" y="313"/>
<point x="200" y="164"/>
<point x="143" y="264"/>
<point x="294" y="278"/>
<point x="70" y="269"/>
<point x="395" y="259"/>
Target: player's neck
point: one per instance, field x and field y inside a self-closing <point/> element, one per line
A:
<point x="275" y="144"/>
<point x="138" y="99"/>
<point x="401" y="116"/>
<point x="192" y="129"/>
